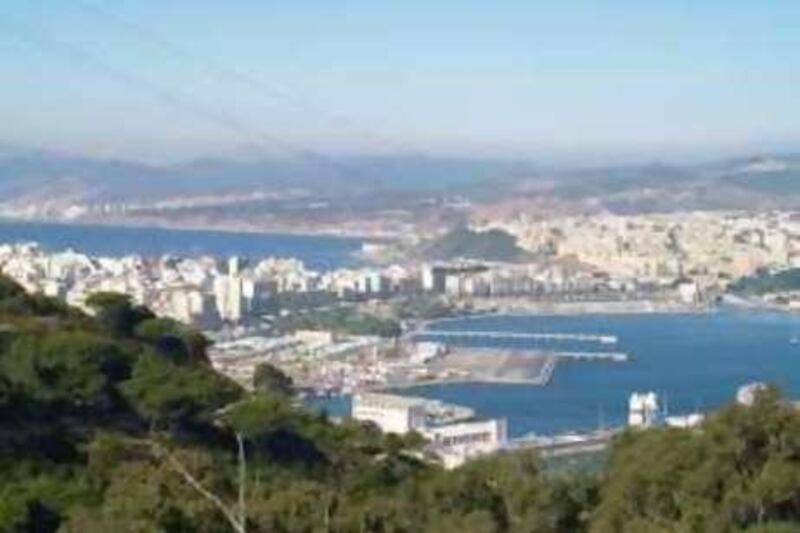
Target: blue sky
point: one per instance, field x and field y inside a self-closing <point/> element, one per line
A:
<point x="165" y="79"/>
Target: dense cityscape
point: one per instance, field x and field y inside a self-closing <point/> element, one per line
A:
<point x="694" y="252"/>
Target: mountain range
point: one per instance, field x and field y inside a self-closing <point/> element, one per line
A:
<point x="43" y="184"/>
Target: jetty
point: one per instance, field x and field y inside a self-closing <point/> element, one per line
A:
<point x="476" y="334"/>
<point x="567" y="444"/>
<point x="615" y="357"/>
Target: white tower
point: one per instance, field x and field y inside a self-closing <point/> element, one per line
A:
<point x="643" y="409"/>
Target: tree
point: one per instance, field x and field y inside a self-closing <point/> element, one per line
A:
<point x="165" y="334"/>
<point x="9" y="288"/>
<point x="270" y="380"/>
<point x="67" y="368"/>
<point x="741" y="470"/>
<point x="177" y="396"/>
<point x="116" y="314"/>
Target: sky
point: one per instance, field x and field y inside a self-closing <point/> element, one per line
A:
<point x="173" y="79"/>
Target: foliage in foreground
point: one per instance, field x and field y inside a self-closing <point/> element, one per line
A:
<point x="117" y="423"/>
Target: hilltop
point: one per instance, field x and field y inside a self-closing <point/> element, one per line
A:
<point x="465" y="243"/>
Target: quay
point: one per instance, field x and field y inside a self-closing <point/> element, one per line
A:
<point x="483" y="365"/>
<point x="566" y="445"/>
<point x="583" y="337"/>
<point x="616" y="357"/>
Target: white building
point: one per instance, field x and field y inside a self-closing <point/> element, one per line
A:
<point x="454" y="442"/>
<point x="229" y="297"/>
<point x="457" y="443"/>
<point x="426" y="351"/>
<point x="688" y="292"/>
<point x="428" y="278"/>
<point x="643" y="410"/>
<point x="391" y="413"/>
<point x="685" y="421"/>
<point x="230" y="292"/>
<point x="746" y="394"/>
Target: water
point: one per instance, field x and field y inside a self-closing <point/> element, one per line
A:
<point x="318" y="252"/>
<point x="695" y="361"/>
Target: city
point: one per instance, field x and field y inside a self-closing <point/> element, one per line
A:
<point x="276" y="311"/>
<point x="338" y="267"/>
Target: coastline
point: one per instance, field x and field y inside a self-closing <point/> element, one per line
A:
<point x="244" y="229"/>
<point x="318" y="252"/>
<point x="296" y="231"/>
<point x="673" y="354"/>
<point x="539" y="308"/>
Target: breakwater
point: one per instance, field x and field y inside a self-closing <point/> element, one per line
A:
<point x="580" y="337"/>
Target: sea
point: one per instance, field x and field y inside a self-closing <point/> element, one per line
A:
<point x="317" y="252"/>
<point x="694" y="362"/>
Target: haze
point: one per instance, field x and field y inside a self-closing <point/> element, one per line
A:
<point x="155" y="80"/>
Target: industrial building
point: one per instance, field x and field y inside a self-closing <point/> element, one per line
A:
<point x="452" y="433"/>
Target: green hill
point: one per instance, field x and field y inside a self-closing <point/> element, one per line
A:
<point x="464" y="243"/>
<point x="117" y="422"/>
<point x="764" y="283"/>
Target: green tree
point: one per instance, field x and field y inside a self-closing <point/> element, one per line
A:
<point x="66" y="367"/>
<point x="270" y="380"/>
<point x="163" y="332"/>
<point x="9" y="288"/>
<point x="116" y="314"/>
<point x="168" y="394"/>
<point x="741" y="470"/>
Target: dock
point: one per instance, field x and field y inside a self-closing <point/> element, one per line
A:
<point x="566" y="445"/>
<point x="580" y="337"/>
<point x="614" y="357"/>
<point x="482" y="365"/>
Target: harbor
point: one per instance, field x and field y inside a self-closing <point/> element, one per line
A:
<point x="504" y="357"/>
<point x="552" y="385"/>
<point x="696" y="361"/>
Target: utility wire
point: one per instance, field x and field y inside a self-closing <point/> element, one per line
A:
<point x="228" y="73"/>
<point x="169" y="97"/>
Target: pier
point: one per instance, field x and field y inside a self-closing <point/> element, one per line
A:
<point x="615" y="357"/>
<point x="566" y="445"/>
<point x="482" y="365"/>
<point x="581" y="337"/>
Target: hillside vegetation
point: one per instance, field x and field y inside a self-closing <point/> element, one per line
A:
<point x="117" y="422"/>
<point x="464" y="243"/>
<point x="765" y="283"/>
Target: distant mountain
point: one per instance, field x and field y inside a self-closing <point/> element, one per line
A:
<point x="763" y="182"/>
<point x="57" y="182"/>
<point x="778" y="175"/>
<point x="609" y="180"/>
<point x="46" y="174"/>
